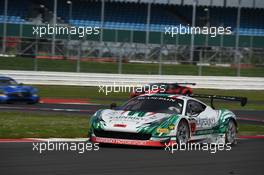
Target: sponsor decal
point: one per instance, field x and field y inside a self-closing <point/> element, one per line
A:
<point x="120" y="141"/>
<point x="172" y="127"/>
<point x="128" y="142"/>
<point x="126" y="118"/>
<point x="163" y="130"/>
<point x="120" y="125"/>
<point x="161" y="98"/>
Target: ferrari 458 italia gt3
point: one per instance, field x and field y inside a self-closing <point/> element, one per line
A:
<point x="156" y="119"/>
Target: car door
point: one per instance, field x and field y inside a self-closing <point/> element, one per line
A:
<point x="204" y="115"/>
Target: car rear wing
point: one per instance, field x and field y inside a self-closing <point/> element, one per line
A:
<point x="242" y="100"/>
<point x="193" y="84"/>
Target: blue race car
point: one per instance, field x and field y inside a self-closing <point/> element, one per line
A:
<point x="11" y="91"/>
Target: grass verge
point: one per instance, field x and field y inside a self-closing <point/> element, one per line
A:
<point x="255" y="98"/>
<point x="25" y="63"/>
<point x="245" y="129"/>
<point x="37" y="125"/>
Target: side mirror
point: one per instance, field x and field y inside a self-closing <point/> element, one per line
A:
<point x="113" y="105"/>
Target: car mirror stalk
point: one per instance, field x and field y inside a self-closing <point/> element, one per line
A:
<point x="113" y="105"/>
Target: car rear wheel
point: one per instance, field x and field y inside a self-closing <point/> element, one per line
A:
<point x="230" y="135"/>
<point x="183" y="132"/>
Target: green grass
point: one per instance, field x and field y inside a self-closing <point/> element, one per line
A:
<point x="255" y="98"/>
<point x="245" y="129"/>
<point x="20" y="63"/>
<point x="37" y="125"/>
<point x="76" y="92"/>
<point x="46" y="125"/>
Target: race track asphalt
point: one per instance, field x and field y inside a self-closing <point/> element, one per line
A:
<point x="18" y="158"/>
<point x="244" y="116"/>
<point x="245" y="158"/>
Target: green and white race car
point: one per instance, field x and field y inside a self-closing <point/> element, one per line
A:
<point x="162" y="119"/>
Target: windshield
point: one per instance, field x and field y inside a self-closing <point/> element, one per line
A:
<point x="7" y="82"/>
<point x="154" y="104"/>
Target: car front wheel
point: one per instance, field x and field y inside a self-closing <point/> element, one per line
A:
<point x="183" y="132"/>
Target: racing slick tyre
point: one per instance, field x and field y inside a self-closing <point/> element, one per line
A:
<point x="183" y="132"/>
<point x="230" y="135"/>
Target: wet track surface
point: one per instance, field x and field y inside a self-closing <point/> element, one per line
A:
<point x="245" y="158"/>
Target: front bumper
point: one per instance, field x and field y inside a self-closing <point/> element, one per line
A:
<point x="116" y="141"/>
<point x="30" y="99"/>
